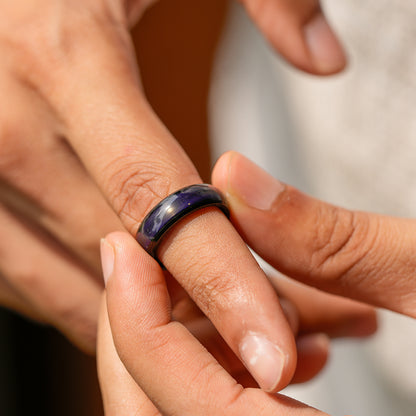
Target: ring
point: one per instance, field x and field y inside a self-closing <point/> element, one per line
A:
<point x="174" y="208"/>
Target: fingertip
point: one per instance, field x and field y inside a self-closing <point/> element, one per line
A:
<point x="326" y="52"/>
<point x="361" y="326"/>
<point x="129" y="255"/>
<point x="267" y="362"/>
<point x="300" y="32"/>
<point x="246" y="183"/>
<point x="220" y="172"/>
<point x="113" y="249"/>
<point x="118" y="238"/>
<point x="313" y="344"/>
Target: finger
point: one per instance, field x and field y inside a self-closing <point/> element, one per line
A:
<point x="203" y="330"/>
<point x="80" y="228"/>
<point x="121" y="395"/>
<point x="299" y="31"/>
<point x="312" y="348"/>
<point x="136" y="163"/>
<point x="11" y="299"/>
<point x="49" y="280"/>
<point x="41" y="176"/>
<point x="364" y="256"/>
<point x="318" y="311"/>
<point x="313" y="351"/>
<point x="173" y="369"/>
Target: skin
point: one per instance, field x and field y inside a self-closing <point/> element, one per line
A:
<point x="354" y="254"/>
<point x="83" y="153"/>
<point x="170" y="361"/>
<point x="360" y="255"/>
<point x="77" y="131"/>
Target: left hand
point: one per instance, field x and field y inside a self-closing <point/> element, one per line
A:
<point x="160" y="349"/>
<point x="68" y="71"/>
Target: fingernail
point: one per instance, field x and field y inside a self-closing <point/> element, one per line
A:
<point x="253" y="185"/>
<point x="327" y="53"/>
<point x="263" y="359"/>
<point x="107" y="259"/>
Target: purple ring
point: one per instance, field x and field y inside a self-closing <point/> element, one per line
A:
<point x="172" y="209"/>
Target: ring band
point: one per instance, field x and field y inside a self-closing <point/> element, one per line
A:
<point x="174" y="208"/>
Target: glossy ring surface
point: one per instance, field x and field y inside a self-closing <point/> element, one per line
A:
<point x="174" y="208"/>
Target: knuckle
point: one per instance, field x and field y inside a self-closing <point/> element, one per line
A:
<point x="201" y="375"/>
<point x="218" y="284"/>
<point x="228" y="402"/>
<point x="342" y="239"/>
<point x="135" y="187"/>
<point x="156" y="340"/>
<point x="214" y="293"/>
<point x="72" y="317"/>
<point x="26" y="277"/>
<point x="83" y="235"/>
<point x="72" y="314"/>
<point x="39" y="45"/>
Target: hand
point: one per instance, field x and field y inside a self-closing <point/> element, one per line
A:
<point x="157" y="340"/>
<point x="69" y="72"/>
<point x="364" y="256"/>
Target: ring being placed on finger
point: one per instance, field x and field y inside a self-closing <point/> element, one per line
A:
<point x="174" y="208"/>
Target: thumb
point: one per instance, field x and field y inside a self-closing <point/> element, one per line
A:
<point x="365" y="256"/>
<point x="300" y="32"/>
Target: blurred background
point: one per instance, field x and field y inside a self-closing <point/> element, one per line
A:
<point x="349" y="139"/>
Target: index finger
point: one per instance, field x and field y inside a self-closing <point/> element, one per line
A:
<point x="136" y="163"/>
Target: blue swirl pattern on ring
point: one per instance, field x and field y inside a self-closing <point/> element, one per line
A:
<point x="172" y="209"/>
